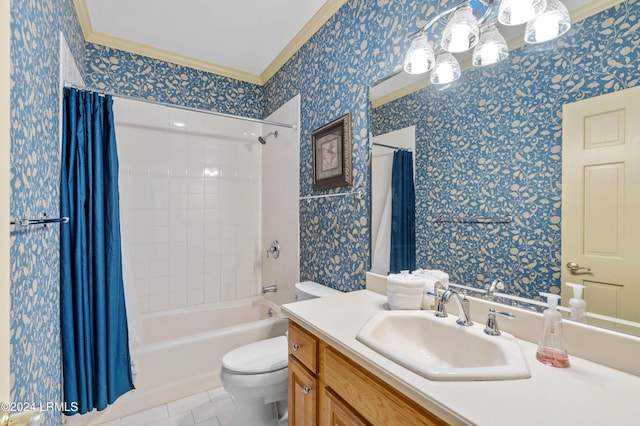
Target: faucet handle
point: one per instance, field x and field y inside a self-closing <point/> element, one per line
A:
<point x="491" y="328"/>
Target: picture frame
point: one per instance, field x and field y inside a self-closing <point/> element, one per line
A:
<point x="332" y="154"/>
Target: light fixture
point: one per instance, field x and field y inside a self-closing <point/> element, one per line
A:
<point x="492" y="47"/>
<point x="473" y="24"/>
<point x="551" y="24"/>
<point x="446" y="69"/>
<point x="517" y="12"/>
<point x="461" y="33"/>
<point x="420" y="57"/>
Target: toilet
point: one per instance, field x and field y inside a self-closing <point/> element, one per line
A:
<point x="256" y="375"/>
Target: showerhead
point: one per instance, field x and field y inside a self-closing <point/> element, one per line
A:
<point x="263" y="139"/>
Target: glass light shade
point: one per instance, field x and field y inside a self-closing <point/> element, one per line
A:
<point x="551" y="24"/>
<point x="420" y="57"/>
<point x="461" y="33"/>
<point x="446" y="69"/>
<point x="492" y="47"/>
<point x="517" y="12"/>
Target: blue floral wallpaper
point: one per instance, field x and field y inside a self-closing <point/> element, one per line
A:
<point x="501" y="157"/>
<point x="360" y="44"/>
<point x="116" y="71"/>
<point x="491" y="146"/>
<point x="35" y="328"/>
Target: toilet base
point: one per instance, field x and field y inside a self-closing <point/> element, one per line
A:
<point x="257" y="413"/>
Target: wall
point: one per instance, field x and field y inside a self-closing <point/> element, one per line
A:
<point x="5" y="149"/>
<point x="361" y="43"/>
<point x="280" y="215"/>
<point x="116" y="71"/>
<point x="491" y="146"/>
<point x="190" y="191"/>
<point x="35" y="345"/>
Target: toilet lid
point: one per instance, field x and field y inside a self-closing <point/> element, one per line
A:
<point x="263" y="356"/>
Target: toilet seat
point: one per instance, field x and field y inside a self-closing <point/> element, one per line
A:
<point x="259" y="357"/>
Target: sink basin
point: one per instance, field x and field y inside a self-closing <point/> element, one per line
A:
<point x="440" y="349"/>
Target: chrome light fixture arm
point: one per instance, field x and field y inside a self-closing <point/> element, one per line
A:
<point x="488" y="4"/>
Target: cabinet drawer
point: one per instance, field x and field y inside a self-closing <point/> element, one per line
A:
<point x="370" y="397"/>
<point x="303" y="346"/>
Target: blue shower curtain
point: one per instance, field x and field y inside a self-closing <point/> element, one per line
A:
<point x="95" y="342"/>
<point x="403" y="213"/>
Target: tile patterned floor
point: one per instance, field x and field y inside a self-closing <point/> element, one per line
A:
<point x="212" y="408"/>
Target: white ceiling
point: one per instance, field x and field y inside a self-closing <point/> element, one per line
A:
<point x="244" y="35"/>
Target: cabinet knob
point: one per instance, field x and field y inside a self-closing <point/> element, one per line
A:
<point x="296" y="346"/>
<point x="306" y="390"/>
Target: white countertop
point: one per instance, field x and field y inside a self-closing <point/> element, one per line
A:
<point x="586" y="393"/>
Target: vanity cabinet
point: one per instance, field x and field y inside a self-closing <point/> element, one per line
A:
<point x="327" y="388"/>
<point x="303" y="381"/>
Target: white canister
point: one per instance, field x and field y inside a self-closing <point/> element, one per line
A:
<point x="404" y="291"/>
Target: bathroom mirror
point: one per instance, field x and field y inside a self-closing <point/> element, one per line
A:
<point x="489" y="147"/>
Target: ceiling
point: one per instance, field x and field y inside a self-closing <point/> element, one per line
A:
<point x="244" y="39"/>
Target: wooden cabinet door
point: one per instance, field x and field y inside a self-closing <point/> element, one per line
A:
<point x="339" y="413"/>
<point x="303" y="395"/>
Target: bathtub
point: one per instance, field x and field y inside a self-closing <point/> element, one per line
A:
<point x="183" y="349"/>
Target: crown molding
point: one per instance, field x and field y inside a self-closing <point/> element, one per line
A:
<point x="577" y="15"/>
<point x="315" y="23"/>
<point x="164" y="55"/>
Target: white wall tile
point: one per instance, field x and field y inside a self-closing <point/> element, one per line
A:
<point x="158" y="302"/>
<point x="179" y="185"/>
<point x="195" y="296"/>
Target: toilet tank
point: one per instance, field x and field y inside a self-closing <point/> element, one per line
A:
<point x="312" y="290"/>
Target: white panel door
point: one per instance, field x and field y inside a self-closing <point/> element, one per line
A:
<point x="601" y="202"/>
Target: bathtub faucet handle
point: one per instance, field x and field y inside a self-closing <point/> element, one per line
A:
<point x="274" y="249"/>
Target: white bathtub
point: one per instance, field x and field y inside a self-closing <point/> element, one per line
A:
<point x="183" y="350"/>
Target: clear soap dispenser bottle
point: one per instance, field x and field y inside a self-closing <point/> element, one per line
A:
<point x="577" y="304"/>
<point x="551" y="350"/>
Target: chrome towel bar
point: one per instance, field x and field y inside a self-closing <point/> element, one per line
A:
<point x="42" y="221"/>
<point x="474" y="219"/>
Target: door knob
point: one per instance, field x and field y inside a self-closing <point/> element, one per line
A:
<point x="574" y="267"/>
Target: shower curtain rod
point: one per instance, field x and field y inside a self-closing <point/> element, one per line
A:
<point x="166" y="104"/>
<point x="399" y="148"/>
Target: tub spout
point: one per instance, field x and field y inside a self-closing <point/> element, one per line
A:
<point x="269" y="289"/>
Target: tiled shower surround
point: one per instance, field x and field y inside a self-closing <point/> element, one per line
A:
<point x="191" y="200"/>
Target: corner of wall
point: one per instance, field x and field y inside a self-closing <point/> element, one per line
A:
<point x="5" y="142"/>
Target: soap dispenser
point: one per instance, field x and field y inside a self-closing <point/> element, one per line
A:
<point x="577" y="304"/>
<point x="551" y="350"/>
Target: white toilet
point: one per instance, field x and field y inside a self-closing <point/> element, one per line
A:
<point x="256" y="375"/>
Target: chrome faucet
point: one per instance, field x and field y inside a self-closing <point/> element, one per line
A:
<point x="269" y="289"/>
<point x="491" y="328"/>
<point x="464" y="318"/>
<point x="496" y="284"/>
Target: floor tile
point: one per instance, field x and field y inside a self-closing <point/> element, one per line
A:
<point x="211" y="422"/>
<point x="115" y="422"/>
<point x="225" y="418"/>
<point x="217" y="393"/>
<point x="183" y="419"/>
<point x="145" y="417"/>
<point x="213" y="409"/>
<point x="188" y="403"/>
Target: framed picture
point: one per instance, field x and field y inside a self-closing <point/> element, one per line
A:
<point x="331" y="145"/>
